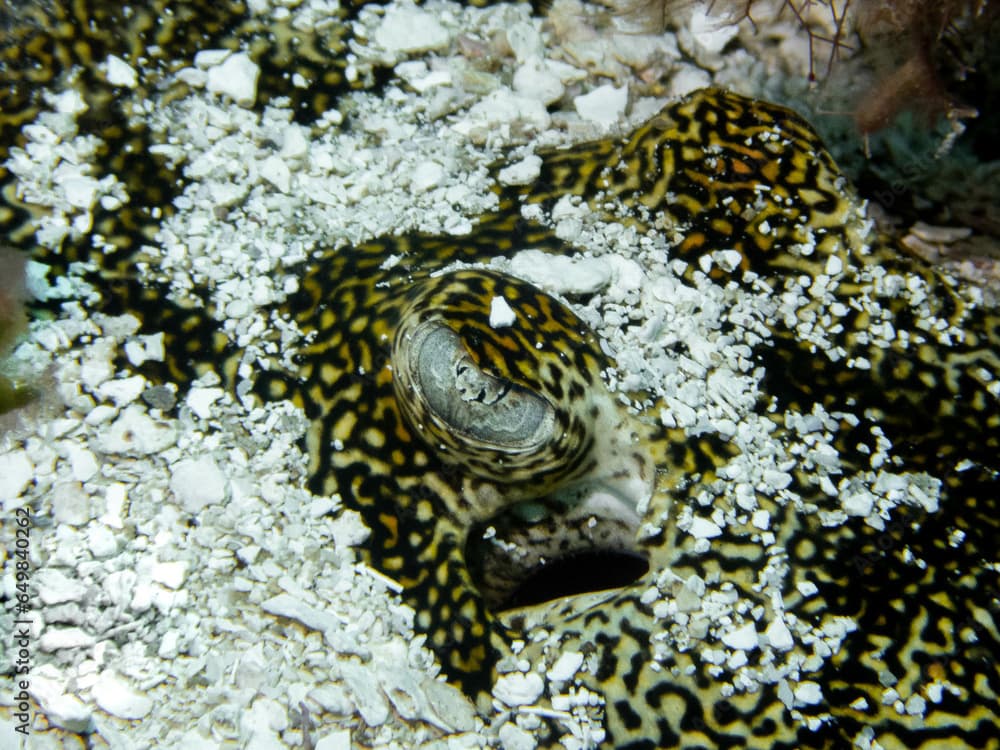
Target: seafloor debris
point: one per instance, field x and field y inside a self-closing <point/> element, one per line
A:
<point x="190" y="589"/>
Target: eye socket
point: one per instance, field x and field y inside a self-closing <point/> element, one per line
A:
<point x="470" y="401"/>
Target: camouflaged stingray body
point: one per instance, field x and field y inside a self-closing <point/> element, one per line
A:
<point x="714" y="171"/>
<point x="708" y="171"/>
<point x="711" y="171"/>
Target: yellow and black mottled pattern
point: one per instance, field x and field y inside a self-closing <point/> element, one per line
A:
<point x="713" y="171"/>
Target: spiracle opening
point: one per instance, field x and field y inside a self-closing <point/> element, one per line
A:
<point x="538" y="551"/>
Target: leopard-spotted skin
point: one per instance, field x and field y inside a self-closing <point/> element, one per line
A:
<point x="712" y="171"/>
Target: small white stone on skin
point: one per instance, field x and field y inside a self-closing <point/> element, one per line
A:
<point x="808" y="693"/>
<point x="858" y="504"/>
<point x="834" y="265"/>
<point x="119" y="72"/>
<point x="562" y="275"/>
<point x="779" y="636"/>
<point x="512" y="737"/>
<point x="517" y="689"/>
<point x="501" y="314"/>
<point x="702" y="528"/>
<point x="236" y="77"/>
<point x="349" y="529"/>
<point x="523" y="172"/>
<point x="761" y="519"/>
<point x="118" y="698"/>
<point x="80" y="192"/>
<point x="143" y="348"/>
<point x="806" y="588"/>
<point x="209" y="58"/>
<point x="197" y="483"/>
<point x="566" y="666"/>
<point x="743" y="638"/>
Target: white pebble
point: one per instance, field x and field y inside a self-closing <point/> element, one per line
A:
<point x="114" y="502"/>
<point x="501" y="314"/>
<point x="136" y="433"/>
<point x="410" y="29"/>
<point x="16" y="470"/>
<point x="761" y="519"/>
<point x="274" y="170"/>
<point x="808" y="693"/>
<point x="778" y="635"/>
<point x="101" y="541"/>
<point x="778" y="480"/>
<point x="426" y="175"/>
<point x="80" y="192"/>
<point x="512" y="737"/>
<point x="743" y="638"/>
<point x="143" y="348"/>
<point x="566" y="666"/>
<point x="562" y="275"/>
<point x="200" y="400"/>
<point x="289" y="606"/>
<point x="54" y="587"/>
<point x="517" y="689"/>
<point x="858" y="504"/>
<point x="916" y="705"/>
<point x="236" y="77"/>
<point x="197" y="483"/>
<point x="70" y="504"/>
<point x="294" y="145"/>
<point x="523" y="172"/>
<point x="209" y="58"/>
<point x="118" y="698"/>
<point x="55" y="639"/>
<point x="66" y="711"/>
<point x="503" y="108"/>
<point x="536" y="81"/>
<point x="349" y="529"/>
<point x="122" y="391"/>
<point x="119" y="72"/>
<point x="834" y="265"/>
<point x="604" y="105"/>
<point x="806" y="588"/>
<point x="170" y="573"/>
<point x="339" y="739"/>
<point x="702" y="528"/>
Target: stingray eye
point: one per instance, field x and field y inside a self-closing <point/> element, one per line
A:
<point x="466" y="400"/>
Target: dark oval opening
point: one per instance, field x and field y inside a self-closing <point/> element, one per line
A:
<point x="577" y="573"/>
